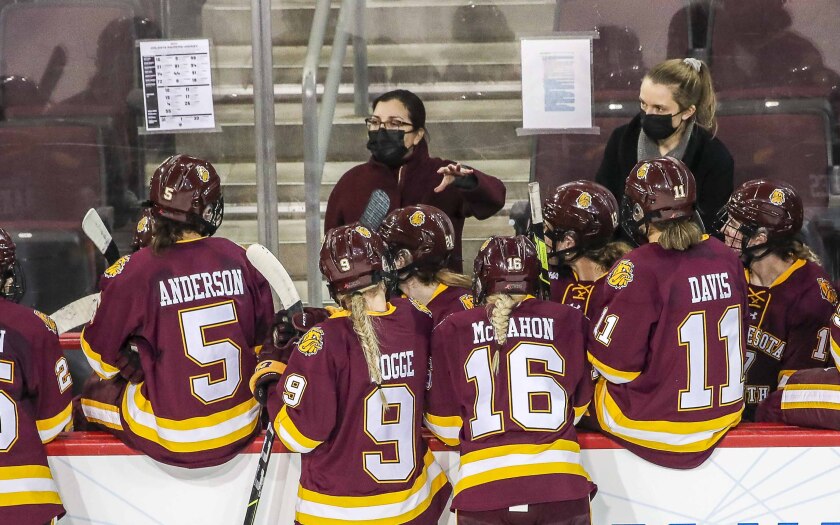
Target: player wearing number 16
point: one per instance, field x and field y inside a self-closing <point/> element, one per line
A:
<point x="352" y="396"/>
<point x="173" y="340"/>
<point x="669" y="342"/>
<point x="35" y="398"/>
<point x="509" y="380"/>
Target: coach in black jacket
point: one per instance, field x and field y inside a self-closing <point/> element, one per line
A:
<point x="676" y="119"/>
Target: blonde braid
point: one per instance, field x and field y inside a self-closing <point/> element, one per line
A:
<point x="363" y="326"/>
<point x="500" y="307"/>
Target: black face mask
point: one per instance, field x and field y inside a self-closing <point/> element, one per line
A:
<point x="658" y="127"/>
<point x="387" y="146"/>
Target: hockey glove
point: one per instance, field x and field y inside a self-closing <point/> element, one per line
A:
<point x="128" y="361"/>
<point x="266" y="375"/>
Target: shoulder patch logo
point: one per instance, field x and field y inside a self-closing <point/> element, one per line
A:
<point x="312" y="341"/>
<point x="421" y="307"/>
<point x="777" y="197"/>
<point x="584" y="200"/>
<point x="621" y="275"/>
<point x="827" y="291"/>
<point x="203" y="174"/>
<point x="485" y="243"/>
<point x="142" y="224"/>
<point x="641" y="173"/>
<point x="117" y="268"/>
<point x="364" y="232"/>
<point x="48" y="322"/>
<point x="467" y="301"/>
<point x="417" y="218"/>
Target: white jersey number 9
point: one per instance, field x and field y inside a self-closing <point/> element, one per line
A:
<point x="393" y="427"/>
<point x="524" y="386"/>
<point x="194" y="322"/>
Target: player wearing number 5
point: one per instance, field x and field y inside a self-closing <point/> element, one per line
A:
<point x="508" y="382"/>
<point x="669" y="342"/>
<point x="352" y="398"/>
<point x="173" y="340"/>
<point x="35" y="398"/>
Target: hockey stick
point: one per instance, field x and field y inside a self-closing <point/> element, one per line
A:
<point x="98" y="233"/>
<point x="376" y="209"/>
<point x="278" y="278"/>
<point x="75" y="314"/>
<point x="538" y="236"/>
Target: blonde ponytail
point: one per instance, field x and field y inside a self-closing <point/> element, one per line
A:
<point x="450" y="278"/>
<point x="679" y="235"/>
<point x="500" y="307"/>
<point x="363" y="326"/>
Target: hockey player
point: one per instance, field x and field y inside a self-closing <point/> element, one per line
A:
<point x="421" y="240"/>
<point x="580" y="220"/>
<point x="791" y="297"/>
<point x="35" y="397"/>
<point x="508" y="381"/>
<point x="352" y="397"/>
<point x="173" y="340"/>
<point x="669" y="342"/>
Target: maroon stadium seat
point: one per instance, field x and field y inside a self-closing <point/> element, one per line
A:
<point x="634" y="36"/>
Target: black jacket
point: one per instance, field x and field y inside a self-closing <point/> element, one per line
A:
<point x="706" y="157"/>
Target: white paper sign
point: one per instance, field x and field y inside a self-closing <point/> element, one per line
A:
<point x="556" y="83"/>
<point x="177" y="92"/>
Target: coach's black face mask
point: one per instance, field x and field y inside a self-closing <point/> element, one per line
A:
<point x="658" y="127"/>
<point x="387" y="146"/>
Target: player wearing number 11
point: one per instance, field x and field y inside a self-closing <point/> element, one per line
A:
<point x="508" y="382"/>
<point x="173" y="341"/>
<point x="669" y="341"/>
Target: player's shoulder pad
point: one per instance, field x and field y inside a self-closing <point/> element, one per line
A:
<point x="47" y="320"/>
<point x="622" y="273"/>
<point x="467" y="301"/>
<point x="311" y="342"/>
<point x="118" y="267"/>
<point x="827" y="290"/>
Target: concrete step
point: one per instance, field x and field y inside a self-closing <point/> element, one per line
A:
<point x="389" y="20"/>
<point x="484" y="129"/>
<point x="293" y="244"/>
<point x="387" y="63"/>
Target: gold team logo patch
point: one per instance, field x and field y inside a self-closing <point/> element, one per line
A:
<point x="484" y="244"/>
<point x="827" y="291"/>
<point x="777" y="197"/>
<point x="50" y="324"/>
<point x="417" y="218"/>
<point x="641" y="173"/>
<point x="117" y="268"/>
<point x="142" y="224"/>
<point x="468" y="301"/>
<point x="421" y="307"/>
<point x="584" y="200"/>
<point x="621" y="275"/>
<point x="203" y="174"/>
<point x="364" y="232"/>
<point x="312" y="342"/>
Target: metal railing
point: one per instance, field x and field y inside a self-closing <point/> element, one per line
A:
<point x="318" y="125"/>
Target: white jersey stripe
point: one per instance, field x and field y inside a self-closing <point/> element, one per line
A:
<point x="811" y="396"/>
<point x="11" y="486"/>
<point x="515" y="460"/>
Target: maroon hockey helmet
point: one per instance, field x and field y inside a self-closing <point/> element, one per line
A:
<point x="12" y="286"/>
<point x="583" y="209"/>
<point x="658" y="190"/>
<point x="506" y="265"/>
<point x="761" y="204"/>
<point x="143" y="232"/>
<point x="425" y="231"/>
<point x="188" y="189"/>
<point x="352" y="258"/>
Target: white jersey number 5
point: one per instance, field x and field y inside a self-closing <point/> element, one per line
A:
<point x="194" y="322"/>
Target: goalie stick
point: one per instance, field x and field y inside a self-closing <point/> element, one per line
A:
<point x="538" y="236"/>
<point x="75" y="314"/>
<point x="98" y="233"/>
<point x="278" y="278"/>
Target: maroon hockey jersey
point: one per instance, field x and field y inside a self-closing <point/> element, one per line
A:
<point x="515" y="428"/>
<point x="566" y="288"/>
<point x="196" y="312"/>
<point x="365" y="460"/>
<point x="811" y="398"/>
<point x="669" y="345"/>
<point x="788" y="328"/>
<point x="35" y="396"/>
<point x="447" y="300"/>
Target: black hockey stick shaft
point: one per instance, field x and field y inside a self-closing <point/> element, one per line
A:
<point x="259" y="478"/>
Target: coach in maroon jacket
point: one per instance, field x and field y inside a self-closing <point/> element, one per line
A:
<point x="401" y="166"/>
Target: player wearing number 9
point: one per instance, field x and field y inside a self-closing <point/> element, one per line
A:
<point x="173" y="340"/>
<point x="352" y="396"/>
<point x="669" y="342"/>
<point x="509" y="380"/>
<point x="35" y="396"/>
